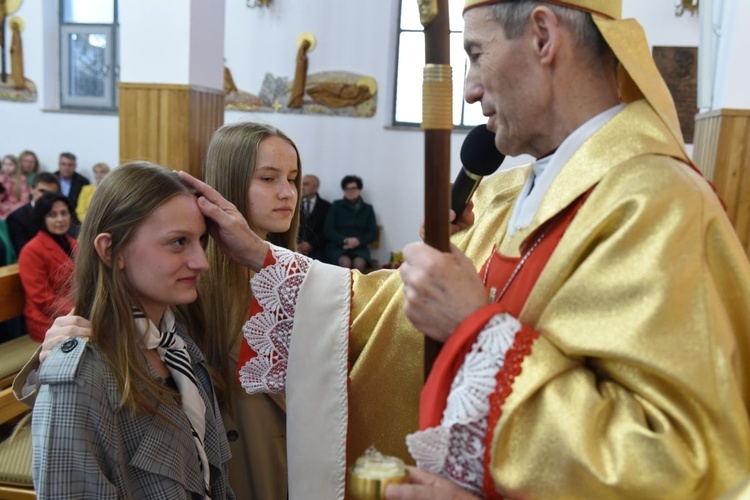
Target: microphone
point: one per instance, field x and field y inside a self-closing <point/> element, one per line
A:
<point x="479" y="157"/>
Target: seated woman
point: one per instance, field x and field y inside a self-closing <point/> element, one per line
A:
<point x="29" y="165"/>
<point x="87" y="192"/>
<point x="264" y="190"/>
<point x="16" y="189"/>
<point x="350" y="226"/>
<point x="133" y="407"/>
<point x="45" y="264"/>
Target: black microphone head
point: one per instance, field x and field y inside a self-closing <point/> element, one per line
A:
<point x="479" y="155"/>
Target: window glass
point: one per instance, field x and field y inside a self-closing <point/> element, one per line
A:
<point x="409" y="79"/>
<point x="88" y="54"/>
<point x="88" y="11"/>
<point x="88" y="64"/>
<point x="410" y="16"/>
<point x="410" y="64"/>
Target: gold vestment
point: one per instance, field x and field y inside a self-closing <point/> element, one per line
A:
<point x="639" y="384"/>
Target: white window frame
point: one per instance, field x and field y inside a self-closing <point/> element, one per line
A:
<point x="409" y="88"/>
<point x="108" y="100"/>
<point x="53" y="65"/>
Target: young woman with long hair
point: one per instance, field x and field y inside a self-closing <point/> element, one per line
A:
<point x="256" y="167"/>
<point x="130" y="412"/>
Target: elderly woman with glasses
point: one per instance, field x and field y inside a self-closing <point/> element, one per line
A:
<point x="350" y="227"/>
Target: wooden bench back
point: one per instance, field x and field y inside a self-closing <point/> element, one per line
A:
<point x="11" y="293"/>
<point x="15" y="454"/>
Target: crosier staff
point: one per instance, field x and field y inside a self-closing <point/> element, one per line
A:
<point x="437" y="123"/>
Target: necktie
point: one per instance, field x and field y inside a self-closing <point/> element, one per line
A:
<point x="172" y="351"/>
<point x="306" y="206"/>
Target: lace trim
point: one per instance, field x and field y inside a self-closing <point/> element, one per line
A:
<point x="505" y="377"/>
<point x="456" y="447"/>
<point x="275" y="288"/>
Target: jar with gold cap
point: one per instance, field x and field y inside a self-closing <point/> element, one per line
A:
<point x="372" y="472"/>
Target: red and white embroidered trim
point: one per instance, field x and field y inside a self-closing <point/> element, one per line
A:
<point x="456" y="448"/>
<point x="275" y="288"/>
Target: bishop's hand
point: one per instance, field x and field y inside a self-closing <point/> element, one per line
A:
<point x="440" y="289"/>
<point x="422" y="485"/>
<point x="228" y="227"/>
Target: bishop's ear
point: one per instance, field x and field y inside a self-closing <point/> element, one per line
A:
<point x="103" y="247"/>
<point x="545" y="30"/>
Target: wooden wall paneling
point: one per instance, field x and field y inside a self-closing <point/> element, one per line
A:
<point x="739" y="152"/>
<point x="706" y="140"/>
<point x="722" y="152"/>
<point x="209" y="104"/>
<point x="168" y="124"/>
<point x="172" y="117"/>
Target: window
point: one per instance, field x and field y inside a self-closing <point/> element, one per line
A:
<point x="89" y="65"/>
<point x="407" y="109"/>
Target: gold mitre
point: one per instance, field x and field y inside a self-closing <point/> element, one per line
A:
<point x="637" y="74"/>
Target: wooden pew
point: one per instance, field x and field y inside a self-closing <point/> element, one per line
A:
<point x="15" y="453"/>
<point x="13" y="353"/>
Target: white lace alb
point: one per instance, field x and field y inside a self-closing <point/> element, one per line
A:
<point x="268" y="333"/>
<point x="455" y="448"/>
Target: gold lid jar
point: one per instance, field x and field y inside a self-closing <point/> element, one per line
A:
<point x="372" y="472"/>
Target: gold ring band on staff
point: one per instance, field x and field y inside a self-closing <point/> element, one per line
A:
<point x="437" y="97"/>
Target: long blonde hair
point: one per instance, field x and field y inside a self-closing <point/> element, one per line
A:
<point x="26" y="152"/>
<point x="122" y="202"/>
<point x="17" y="176"/>
<point x="225" y="291"/>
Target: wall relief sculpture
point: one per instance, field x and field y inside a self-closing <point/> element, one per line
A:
<point x="14" y="86"/>
<point x="339" y="93"/>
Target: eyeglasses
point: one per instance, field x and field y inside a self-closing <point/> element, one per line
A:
<point x="351" y="188"/>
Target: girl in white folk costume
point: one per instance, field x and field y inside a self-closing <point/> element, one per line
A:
<point x="131" y="412"/>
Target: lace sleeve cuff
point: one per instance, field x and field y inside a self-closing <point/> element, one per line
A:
<point x="268" y="331"/>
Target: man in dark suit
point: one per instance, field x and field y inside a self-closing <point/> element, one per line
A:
<point x="311" y="241"/>
<point x="21" y="225"/>
<point x="71" y="182"/>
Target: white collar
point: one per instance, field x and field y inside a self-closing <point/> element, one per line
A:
<point x="544" y="171"/>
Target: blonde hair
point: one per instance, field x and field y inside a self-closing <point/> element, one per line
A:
<point x="101" y="293"/>
<point x="26" y="152"/>
<point x="18" y="179"/>
<point x="101" y="166"/>
<point x="230" y="163"/>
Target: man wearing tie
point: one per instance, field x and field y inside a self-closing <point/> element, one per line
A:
<point x="311" y="241"/>
<point x="71" y="183"/>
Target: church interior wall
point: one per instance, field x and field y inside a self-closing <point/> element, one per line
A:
<point x="355" y="36"/>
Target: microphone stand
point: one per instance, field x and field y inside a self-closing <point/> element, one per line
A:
<point x="437" y="123"/>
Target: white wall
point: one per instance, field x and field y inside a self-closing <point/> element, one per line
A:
<point x="91" y="137"/>
<point x="732" y="71"/>
<point x="351" y="35"/>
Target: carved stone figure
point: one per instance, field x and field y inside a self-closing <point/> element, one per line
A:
<point x="229" y="85"/>
<point x="338" y="95"/>
<point x="16" y="55"/>
<point x="305" y="42"/>
<point x="3" y="13"/>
